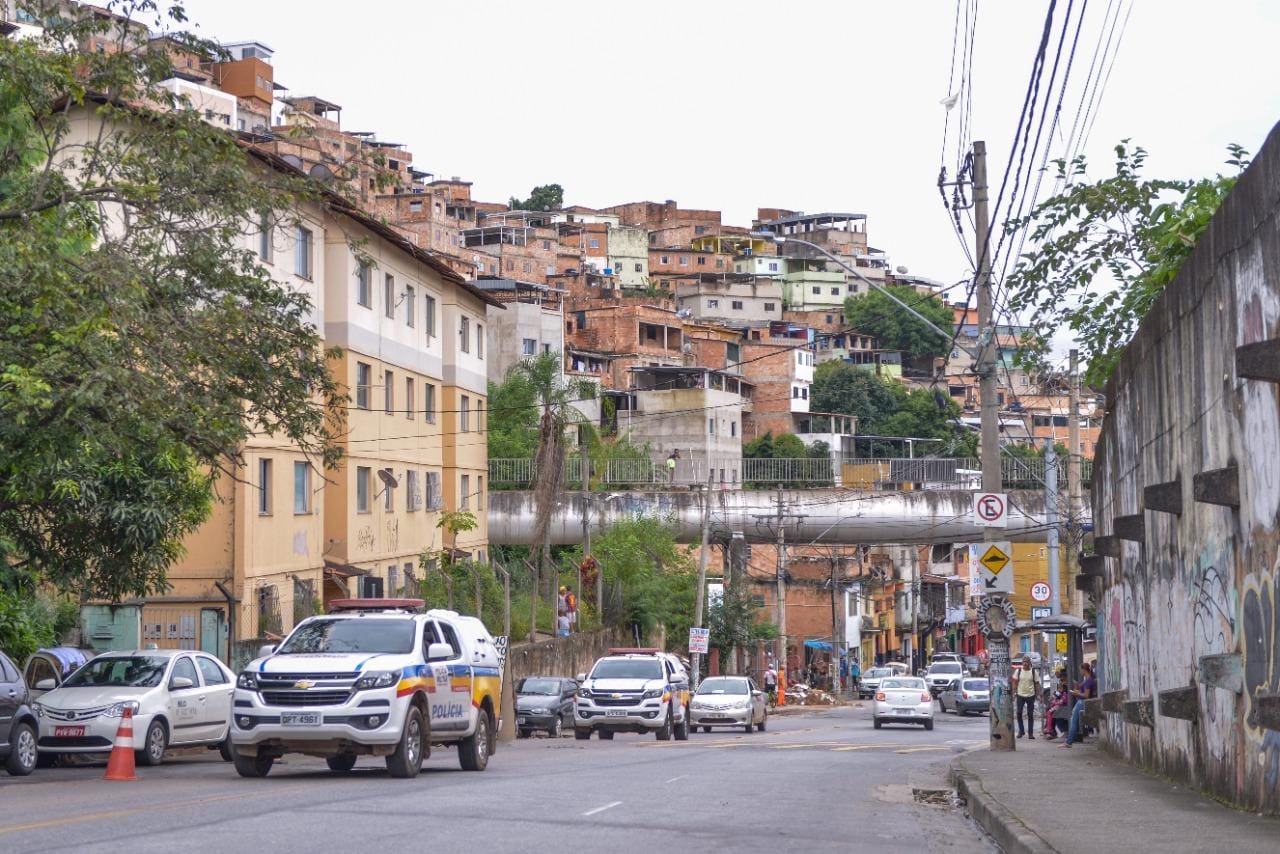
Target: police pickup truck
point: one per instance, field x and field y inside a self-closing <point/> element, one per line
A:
<point x="374" y="677"/>
<point x="633" y="690"/>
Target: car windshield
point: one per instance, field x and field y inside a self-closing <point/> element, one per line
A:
<point x="352" y="634"/>
<point x="878" y="673"/>
<point x="945" y="667"/>
<point x="902" y="683"/>
<point x="542" y="687"/>
<point x="723" y="686"/>
<point x="133" y="671"/>
<point x="627" y="668"/>
<point x="976" y="685"/>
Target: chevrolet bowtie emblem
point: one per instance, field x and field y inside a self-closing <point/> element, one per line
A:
<point x="617" y="696"/>
<point x="304" y="684"/>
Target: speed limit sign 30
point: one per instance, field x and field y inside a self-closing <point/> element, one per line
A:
<point x="1041" y="592"/>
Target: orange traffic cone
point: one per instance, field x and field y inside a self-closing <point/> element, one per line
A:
<point x="120" y="765"/>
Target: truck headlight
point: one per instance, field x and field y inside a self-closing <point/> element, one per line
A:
<point x="247" y="680"/>
<point x="117" y="710"/>
<point x="380" y="679"/>
<point x="584" y="693"/>
<point x="653" y="692"/>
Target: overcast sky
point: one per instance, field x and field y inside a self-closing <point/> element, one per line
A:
<point x="819" y="106"/>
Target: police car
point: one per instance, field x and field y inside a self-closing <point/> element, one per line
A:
<point x="374" y="677"/>
<point x="633" y="690"/>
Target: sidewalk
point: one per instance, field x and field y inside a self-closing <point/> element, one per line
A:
<point x="1040" y="798"/>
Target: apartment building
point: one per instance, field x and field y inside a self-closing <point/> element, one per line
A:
<point x="667" y="225"/>
<point x="782" y="374"/>
<point x="529" y="322"/>
<point x="629" y="335"/>
<point x="731" y="299"/>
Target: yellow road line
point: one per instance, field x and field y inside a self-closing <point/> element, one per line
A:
<point x="865" y="747"/>
<point x="919" y="749"/>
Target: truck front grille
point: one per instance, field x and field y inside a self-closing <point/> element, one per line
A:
<point x="305" y="698"/>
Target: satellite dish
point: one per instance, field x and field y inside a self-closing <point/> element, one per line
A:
<point x="387" y="478"/>
<point x="322" y="173"/>
<point x="902" y="271"/>
<point x="293" y="160"/>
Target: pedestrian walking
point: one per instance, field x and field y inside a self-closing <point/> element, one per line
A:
<point x="1024" y="686"/>
<point x="855" y="674"/>
<point x="771" y="685"/>
<point x="571" y="608"/>
<point x="1087" y="691"/>
<point x="671" y="465"/>
<point x="562" y="602"/>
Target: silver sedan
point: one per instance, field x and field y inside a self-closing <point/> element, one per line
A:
<point x="728" y="701"/>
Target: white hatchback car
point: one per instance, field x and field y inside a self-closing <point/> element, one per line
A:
<point x="178" y="698"/>
<point x="903" y="699"/>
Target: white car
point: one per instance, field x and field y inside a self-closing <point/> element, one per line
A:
<point x="728" y="701"/>
<point x="905" y="700"/>
<point x="179" y="698"/>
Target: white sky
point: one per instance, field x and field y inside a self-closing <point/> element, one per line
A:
<point x="733" y="105"/>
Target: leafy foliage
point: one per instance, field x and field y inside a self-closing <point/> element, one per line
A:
<point x="546" y="197"/>
<point x="876" y="314"/>
<point x="885" y="407"/>
<point x="1104" y="250"/>
<point x="736" y="622"/>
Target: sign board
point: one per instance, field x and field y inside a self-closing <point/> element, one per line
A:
<point x="975" y="578"/>
<point x="1060" y="644"/>
<point x="699" y="640"/>
<point x="1041" y="592"/>
<point x="1040" y="612"/>
<point x="996" y="617"/>
<point x="500" y="643"/>
<point x="995" y="567"/>
<point x="990" y="510"/>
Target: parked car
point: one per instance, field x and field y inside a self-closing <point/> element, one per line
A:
<point x="901" y="668"/>
<point x="728" y="701"/>
<point x="55" y="663"/>
<point x="941" y="674"/>
<point x="974" y="665"/>
<point x="18" y="725"/>
<point x="966" y="695"/>
<point x="633" y="689"/>
<point x="943" y="656"/>
<point x="903" y="699"/>
<point x="177" y="697"/>
<point x="544" y="703"/>
<point x="870" y="682"/>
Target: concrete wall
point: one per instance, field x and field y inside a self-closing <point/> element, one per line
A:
<point x="510" y="326"/>
<point x="566" y="657"/>
<point x="1193" y="605"/>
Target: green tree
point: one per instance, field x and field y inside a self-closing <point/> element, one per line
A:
<point x="736" y="622"/>
<point x="143" y="341"/>
<point x="1104" y="250"/>
<point x="841" y="387"/>
<point x="655" y="575"/>
<point x="546" y="197"/>
<point x="896" y="329"/>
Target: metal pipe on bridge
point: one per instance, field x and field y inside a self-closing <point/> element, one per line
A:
<point x="824" y="515"/>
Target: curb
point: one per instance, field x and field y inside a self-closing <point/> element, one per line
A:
<point x="1008" y="831"/>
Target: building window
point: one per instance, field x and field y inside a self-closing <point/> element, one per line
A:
<point x="431" y="316"/>
<point x="713" y="303"/>
<point x="363" y="474"/>
<point x="264" y="238"/>
<point x="546" y="244"/>
<point x="699" y="229"/>
<point x="594" y="243"/>
<point x="666" y="259"/>
<point x="733" y="428"/>
<point x="301" y="487"/>
<point x="302" y="253"/>
<point x="737" y="305"/>
<point x="719" y="263"/>
<point x="435" y="498"/>
<point x="702" y="260"/>
<point x="412" y="492"/>
<point x="464" y="415"/>
<point x="364" y="287"/>
<point x="817" y="292"/>
<point x="479" y="341"/>
<point x="464" y="503"/>
<point x="364" y="375"/>
<point x="479" y="415"/>
<point x="829" y="320"/>
<point x="429" y="403"/>
<point x="388" y="392"/>
<point x="804" y="393"/>
<point x="410" y="306"/>
<point x="389" y="295"/>
<point x="639" y="268"/>
<point x="768" y="306"/>
<point x="528" y="347"/>
<point x="388" y="491"/>
<point x="408" y="397"/>
<point x="479" y="492"/>
<point x="464" y="334"/>
<point x="684" y="260"/>
<point x="795" y="393"/>
<point x="711" y="426"/>
<point x="835" y="292"/>
<point x="264" y="486"/>
<point x="416" y="207"/>
<point x="773" y="266"/>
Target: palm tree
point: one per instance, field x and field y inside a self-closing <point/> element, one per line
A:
<point x="555" y="395"/>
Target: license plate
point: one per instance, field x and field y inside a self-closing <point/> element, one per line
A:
<point x="68" y="731"/>
<point x="619" y="713"/>
<point x="903" y="711"/>
<point x="300" y="719"/>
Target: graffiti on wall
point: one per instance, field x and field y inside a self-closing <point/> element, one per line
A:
<point x="1261" y="649"/>
<point x="365" y="539"/>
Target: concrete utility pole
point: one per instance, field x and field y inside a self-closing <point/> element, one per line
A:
<point x="783" y="676"/>
<point x="1074" y="503"/>
<point x="1001" y="716"/>
<point x="1051" y="522"/>
<point x="835" y="632"/>
<point x="701" y="594"/>
<point x="917" y="658"/>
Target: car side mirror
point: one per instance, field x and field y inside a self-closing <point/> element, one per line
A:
<point x="582" y="677"/>
<point x="180" y="683"/>
<point x="266" y="649"/>
<point x="46" y="685"/>
<point x="439" y="652"/>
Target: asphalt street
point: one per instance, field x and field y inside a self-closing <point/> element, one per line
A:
<point x="818" y="781"/>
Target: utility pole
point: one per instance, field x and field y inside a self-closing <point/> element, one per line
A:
<point x="782" y="604"/>
<point x="1051" y="522"/>
<point x="1074" y="508"/>
<point x="1001" y="717"/>
<point x="835" y="626"/>
<point x="701" y="594"/>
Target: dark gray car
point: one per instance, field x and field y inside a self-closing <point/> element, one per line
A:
<point x="17" y="724"/>
<point x="544" y="703"/>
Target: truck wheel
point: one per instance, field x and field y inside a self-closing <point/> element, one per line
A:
<point x="341" y="763"/>
<point x="682" y="728"/>
<point x="473" y="751"/>
<point x="407" y="760"/>
<point x="664" y="734"/>
<point x="606" y="735"/>
<point x="581" y="734"/>
<point x="253" y="766"/>
<point x="226" y="749"/>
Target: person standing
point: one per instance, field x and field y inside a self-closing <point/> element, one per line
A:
<point x="1024" y="687"/>
<point x="671" y="465"/>
<point x="855" y="674"/>
<point x="571" y="608"/>
<point x="771" y="684"/>
<point x="1087" y="691"/>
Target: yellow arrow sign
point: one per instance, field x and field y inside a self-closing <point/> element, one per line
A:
<point x="994" y="559"/>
